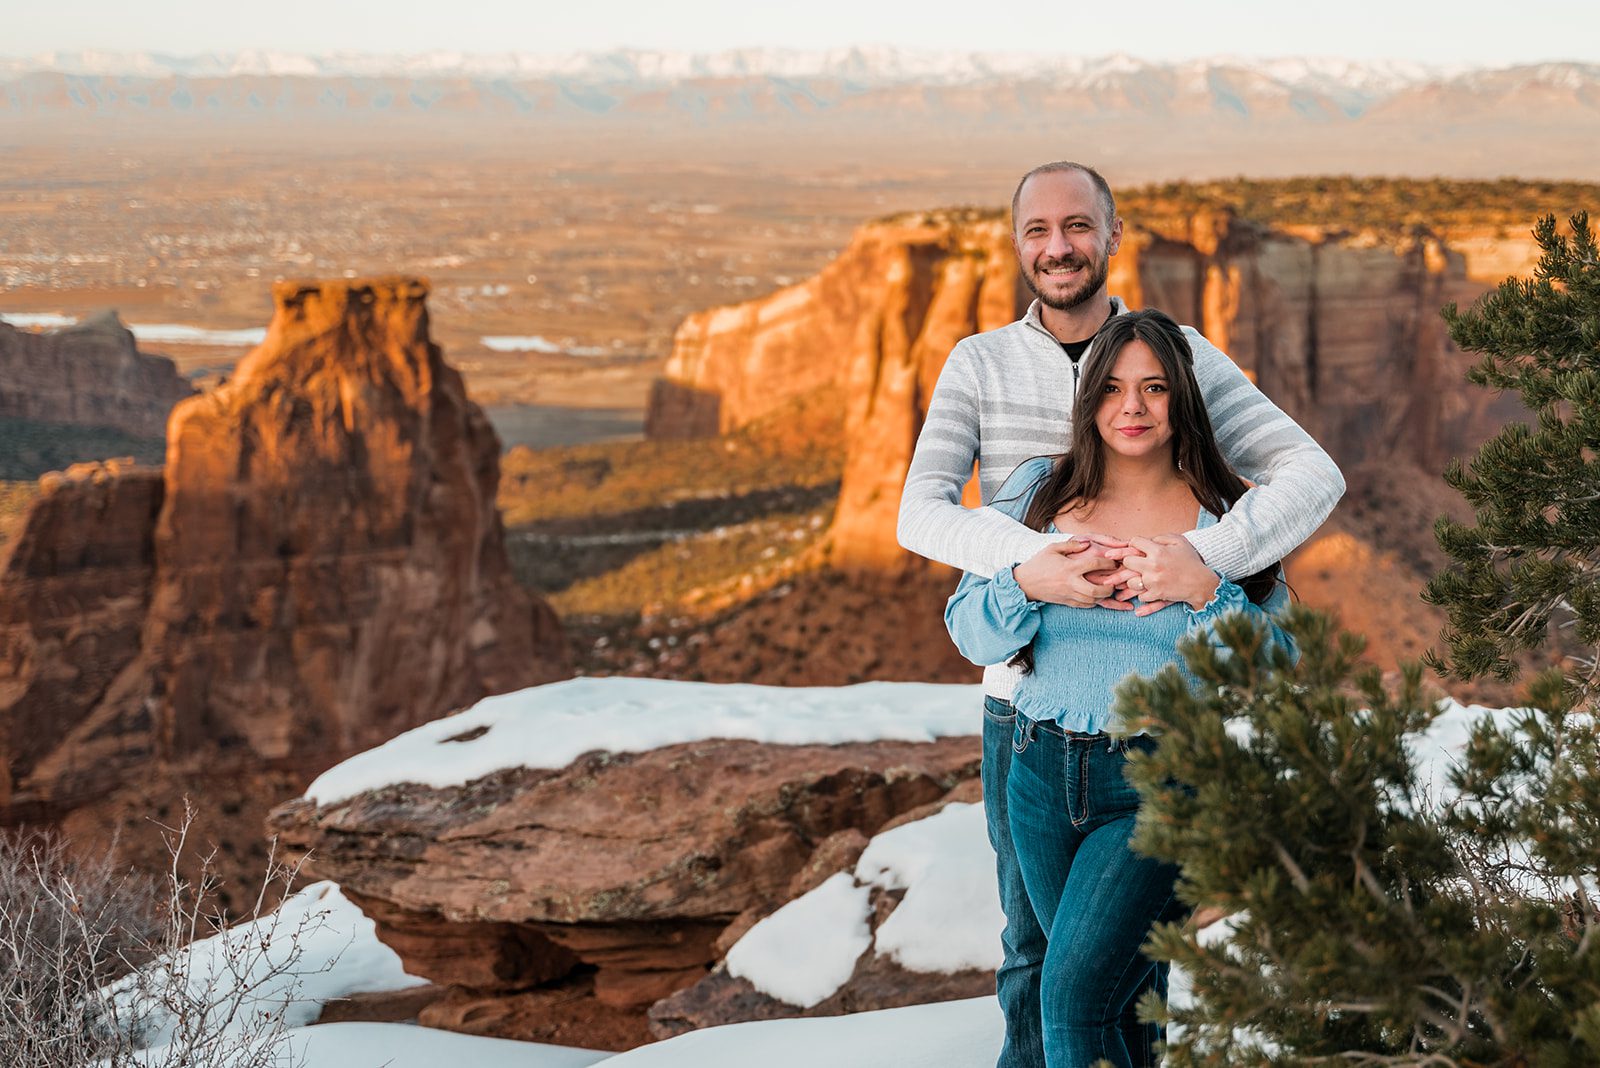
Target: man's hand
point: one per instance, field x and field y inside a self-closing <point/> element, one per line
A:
<point x="1205" y="916"/>
<point x="1161" y="571"/>
<point x="1061" y="573"/>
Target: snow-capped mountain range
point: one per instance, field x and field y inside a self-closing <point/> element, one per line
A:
<point x="1289" y="115"/>
<point x="866" y="65"/>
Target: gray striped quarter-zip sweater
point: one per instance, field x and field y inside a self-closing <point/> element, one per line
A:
<point x="1006" y="395"/>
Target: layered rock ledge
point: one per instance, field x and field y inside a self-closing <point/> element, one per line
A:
<point x="541" y="896"/>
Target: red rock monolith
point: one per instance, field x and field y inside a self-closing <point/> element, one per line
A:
<point x="320" y="567"/>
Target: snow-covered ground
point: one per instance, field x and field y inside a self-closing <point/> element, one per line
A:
<point x="952" y="1034"/>
<point x="315" y="948"/>
<point x="384" y="1045"/>
<point x="948" y="919"/>
<point x="38" y="320"/>
<point x="956" y="1034"/>
<point x="550" y="726"/>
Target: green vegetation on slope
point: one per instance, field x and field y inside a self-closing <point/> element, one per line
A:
<point x="799" y="447"/>
<point x="28" y="449"/>
<point x="608" y="531"/>
<point x="15" y="497"/>
<point x="1351" y="203"/>
<point x="1337" y="202"/>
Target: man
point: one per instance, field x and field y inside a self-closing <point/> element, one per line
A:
<point x="1005" y="395"/>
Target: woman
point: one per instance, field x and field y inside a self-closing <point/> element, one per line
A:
<point x="1143" y="461"/>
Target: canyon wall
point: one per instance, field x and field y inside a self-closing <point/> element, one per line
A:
<point x="905" y="287"/>
<point x="319" y="566"/>
<point x="89" y="375"/>
<point x="1339" y="329"/>
<point x="878" y="321"/>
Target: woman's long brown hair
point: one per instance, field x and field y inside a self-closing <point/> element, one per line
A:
<point x="1080" y="473"/>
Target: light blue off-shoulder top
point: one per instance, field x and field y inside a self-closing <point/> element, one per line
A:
<point x="1081" y="654"/>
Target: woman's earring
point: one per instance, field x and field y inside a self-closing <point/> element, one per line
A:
<point x="1180" y="463"/>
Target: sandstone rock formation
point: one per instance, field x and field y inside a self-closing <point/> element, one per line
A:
<point x="876" y="983"/>
<point x="910" y="282"/>
<point x="92" y="374"/>
<point x="319" y="567"/>
<point x="1341" y="330"/>
<point x="878" y="321"/>
<point x="74" y="588"/>
<point x="618" y="875"/>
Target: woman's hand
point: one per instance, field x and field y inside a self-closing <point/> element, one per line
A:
<point x="1163" y="570"/>
<point x="1070" y="572"/>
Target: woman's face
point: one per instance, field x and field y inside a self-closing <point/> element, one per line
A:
<point x="1132" y="416"/>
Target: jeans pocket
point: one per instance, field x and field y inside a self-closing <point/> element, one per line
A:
<point x="1021" y="735"/>
<point x="997" y="710"/>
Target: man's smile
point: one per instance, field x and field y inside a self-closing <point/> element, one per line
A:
<point x="1061" y="270"/>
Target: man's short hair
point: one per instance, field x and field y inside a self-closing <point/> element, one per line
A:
<point x="1107" y="201"/>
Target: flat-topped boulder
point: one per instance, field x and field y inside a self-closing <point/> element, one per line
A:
<point x="618" y="825"/>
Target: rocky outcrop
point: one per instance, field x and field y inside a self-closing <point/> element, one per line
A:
<point x="1340" y="329"/>
<point x="319" y="567"/>
<point x="74" y="590"/>
<point x="878" y="321"/>
<point x="909" y="286"/>
<point x="614" y="880"/>
<point x="92" y="374"/>
<point x="877" y="981"/>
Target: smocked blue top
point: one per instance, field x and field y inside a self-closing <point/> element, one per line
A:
<point x="1081" y="654"/>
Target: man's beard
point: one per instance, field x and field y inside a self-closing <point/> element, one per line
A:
<point x="1098" y="269"/>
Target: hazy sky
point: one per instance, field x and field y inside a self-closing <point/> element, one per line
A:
<point x="1472" y="31"/>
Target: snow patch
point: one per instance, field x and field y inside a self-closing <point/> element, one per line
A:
<point x="179" y="334"/>
<point x="316" y="947"/>
<point x="807" y="950"/>
<point x="38" y="320"/>
<point x="949" y="919"/>
<point x="551" y="726"/>
<point x="535" y="343"/>
<point x="510" y="343"/>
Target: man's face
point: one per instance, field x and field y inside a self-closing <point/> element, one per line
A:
<point x="1063" y="239"/>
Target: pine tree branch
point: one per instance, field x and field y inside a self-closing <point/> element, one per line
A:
<point x="1301" y="883"/>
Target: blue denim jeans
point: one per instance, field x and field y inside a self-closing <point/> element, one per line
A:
<point x="1022" y="941"/>
<point x="1071" y="812"/>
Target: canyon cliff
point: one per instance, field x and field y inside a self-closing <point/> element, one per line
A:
<point x="319" y="566"/>
<point x="92" y="374"/>
<point x="1340" y="329"/>
<point x="878" y="321"/>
